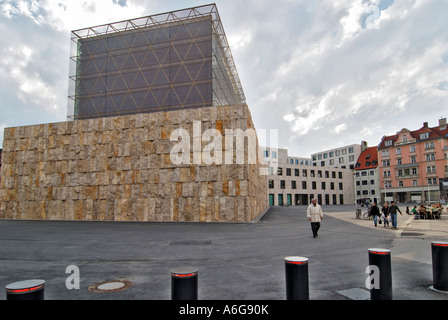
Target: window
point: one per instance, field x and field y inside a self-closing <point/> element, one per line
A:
<point x="388" y="143"/>
<point x="413" y="159"/>
<point x="432" y="181"/>
<point x="399" y="161"/>
<point x="400" y="173"/>
<point x="331" y="154"/>
<point x="313" y="185"/>
<point x="412" y="149"/>
<point x="400" y="183"/>
<point x="312" y="173"/>
<point x="325" y="155"/>
<point x="291" y="161"/>
<point x="430" y="157"/>
<point x="344" y="151"/>
<point x="424" y="135"/>
<point x="350" y="150"/>
<point x="431" y="169"/>
<point x="304" y="172"/>
<point x="331" y="162"/>
<point x="319" y="173"/>
<point x="274" y="154"/>
<point x="332" y="185"/>
<point x="303" y="184"/>
<point x="429" y="145"/>
<point x="280" y="171"/>
<point x="296" y="172"/>
<point x="271" y="184"/>
<point x="319" y="157"/>
<point x="333" y="174"/>
<point x="288" y="172"/>
<point x="372" y="172"/>
<point x="282" y="184"/>
<point x="327" y="174"/>
<point x="414" y="183"/>
<point x="414" y="171"/>
<point x="351" y="158"/>
<point x="385" y="153"/>
<point x="323" y="185"/>
<point x="341" y="160"/>
<point x="293" y="185"/>
<point x="341" y="186"/>
<point x="386" y="163"/>
<point x="338" y="153"/>
<point x="364" y="173"/>
<point x="340" y="175"/>
<point x="265" y="153"/>
<point x="364" y="182"/>
<point x="398" y="151"/>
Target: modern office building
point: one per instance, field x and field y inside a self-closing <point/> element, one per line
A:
<point x="344" y="157"/>
<point x="366" y="173"/>
<point x="169" y="61"/>
<point x="414" y="164"/>
<point x="294" y="181"/>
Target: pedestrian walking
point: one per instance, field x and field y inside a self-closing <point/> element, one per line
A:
<point x="375" y="213"/>
<point x="315" y="216"/>
<point x="393" y="214"/>
<point x="385" y="214"/>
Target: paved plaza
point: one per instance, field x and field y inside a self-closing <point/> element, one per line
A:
<point x="236" y="261"/>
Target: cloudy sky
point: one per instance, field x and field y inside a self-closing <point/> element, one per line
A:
<point x="325" y="73"/>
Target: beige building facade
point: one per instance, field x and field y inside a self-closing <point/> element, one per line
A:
<point x="295" y="181"/>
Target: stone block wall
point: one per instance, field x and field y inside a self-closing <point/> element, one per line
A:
<point x="121" y="169"/>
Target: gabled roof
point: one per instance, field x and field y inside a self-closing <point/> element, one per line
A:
<point x="368" y="159"/>
<point x="434" y="133"/>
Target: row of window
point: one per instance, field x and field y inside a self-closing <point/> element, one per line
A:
<point x="413" y="159"/>
<point x="320" y="173"/>
<point x="431" y="181"/>
<point x="385" y="153"/>
<point x="323" y="185"/>
<point x="332" y="154"/>
<point x="320" y="199"/>
<point x="409" y="171"/>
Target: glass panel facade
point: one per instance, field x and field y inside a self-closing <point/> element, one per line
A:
<point x="130" y="67"/>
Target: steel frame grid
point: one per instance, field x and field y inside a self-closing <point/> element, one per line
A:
<point x="154" y="21"/>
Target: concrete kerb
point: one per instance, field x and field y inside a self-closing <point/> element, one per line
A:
<point x="405" y="223"/>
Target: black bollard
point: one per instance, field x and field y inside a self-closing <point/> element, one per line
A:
<point x="184" y="284"/>
<point x="439" y="252"/>
<point x="26" y="290"/>
<point x="297" y="283"/>
<point x="381" y="258"/>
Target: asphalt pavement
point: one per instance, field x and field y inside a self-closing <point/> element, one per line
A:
<point x="236" y="261"/>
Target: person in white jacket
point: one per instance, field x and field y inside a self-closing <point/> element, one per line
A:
<point x="315" y="215"/>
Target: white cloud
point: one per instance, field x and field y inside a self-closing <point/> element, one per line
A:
<point x="310" y="69"/>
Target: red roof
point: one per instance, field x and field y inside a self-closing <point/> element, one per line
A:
<point x="368" y="159"/>
<point x="434" y="133"/>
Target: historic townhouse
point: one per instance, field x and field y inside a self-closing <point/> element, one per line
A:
<point x="367" y="176"/>
<point x="413" y="164"/>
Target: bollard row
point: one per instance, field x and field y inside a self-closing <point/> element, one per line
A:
<point x="184" y="281"/>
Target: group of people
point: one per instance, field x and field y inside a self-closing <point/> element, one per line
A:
<point x="430" y="212"/>
<point x="386" y="214"/>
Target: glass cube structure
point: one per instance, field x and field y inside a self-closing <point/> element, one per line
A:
<point x="170" y="61"/>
